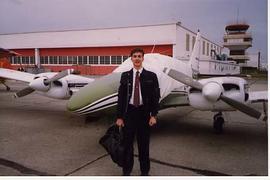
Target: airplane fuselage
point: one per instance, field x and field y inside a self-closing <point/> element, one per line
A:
<point x="101" y="95"/>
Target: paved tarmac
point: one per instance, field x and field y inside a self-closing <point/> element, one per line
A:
<point x="39" y="137"/>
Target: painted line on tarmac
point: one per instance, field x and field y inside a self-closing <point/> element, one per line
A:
<point x="21" y="168"/>
<point x="198" y="171"/>
<point x="81" y="167"/>
<point x="26" y="170"/>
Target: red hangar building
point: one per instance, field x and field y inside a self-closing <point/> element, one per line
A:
<point x="100" y="51"/>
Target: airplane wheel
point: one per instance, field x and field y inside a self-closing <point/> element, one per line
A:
<point x="8" y="88"/>
<point x="218" y="124"/>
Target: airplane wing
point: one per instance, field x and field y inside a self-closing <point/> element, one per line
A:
<point x="258" y="96"/>
<point x="174" y="99"/>
<point x="16" y="75"/>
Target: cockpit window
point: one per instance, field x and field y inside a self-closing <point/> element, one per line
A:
<point x="229" y="86"/>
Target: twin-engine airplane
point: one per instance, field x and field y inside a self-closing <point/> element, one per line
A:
<point x="177" y="88"/>
<point x="60" y="85"/>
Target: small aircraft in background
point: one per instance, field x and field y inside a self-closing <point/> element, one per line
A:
<point x="60" y="85"/>
<point x="55" y="85"/>
<point x="4" y="63"/>
<point x="177" y="88"/>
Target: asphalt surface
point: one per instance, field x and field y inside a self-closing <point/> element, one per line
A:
<point x="39" y="137"/>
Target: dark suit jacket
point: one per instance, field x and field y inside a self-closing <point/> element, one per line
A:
<point x="149" y="90"/>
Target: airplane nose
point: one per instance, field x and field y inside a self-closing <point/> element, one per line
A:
<point x="95" y="95"/>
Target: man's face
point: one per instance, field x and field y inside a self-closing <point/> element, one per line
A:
<point x="137" y="59"/>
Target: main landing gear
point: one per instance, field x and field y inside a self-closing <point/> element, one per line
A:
<point x="218" y="123"/>
<point x="7" y="87"/>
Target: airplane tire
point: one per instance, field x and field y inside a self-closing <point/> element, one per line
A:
<point x="218" y="124"/>
<point x="8" y="88"/>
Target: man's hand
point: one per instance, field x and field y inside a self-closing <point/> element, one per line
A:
<point x="152" y="121"/>
<point x="120" y="122"/>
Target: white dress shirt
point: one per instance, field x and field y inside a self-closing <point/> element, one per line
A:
<point x="133" y="87"/>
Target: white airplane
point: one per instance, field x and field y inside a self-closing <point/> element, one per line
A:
<point x="177" y="88"/>
<point x="60" y="85"/>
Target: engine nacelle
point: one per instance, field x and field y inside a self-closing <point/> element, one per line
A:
<point x="198" y="101"/>
<point x="39" y="85"/>
<point x="208" y="98"/>
<point x="59" y="92"/>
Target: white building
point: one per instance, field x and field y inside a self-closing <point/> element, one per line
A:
<point x="100" y="51"/>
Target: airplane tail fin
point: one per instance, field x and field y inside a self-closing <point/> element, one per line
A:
<point x="193" y="63"/>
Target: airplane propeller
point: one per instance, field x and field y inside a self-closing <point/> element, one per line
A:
<point x="24" y="92"/>
<point x="46" y="82"/>
<point x="183" y="78"/>
<point x="58" y="76"/>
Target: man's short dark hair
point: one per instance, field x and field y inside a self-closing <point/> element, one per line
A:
<point x="135" y="50"/>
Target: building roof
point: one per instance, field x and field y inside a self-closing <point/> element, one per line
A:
<point x="158" y="34"/>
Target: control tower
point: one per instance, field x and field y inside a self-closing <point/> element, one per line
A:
<point x="237" y="40"/>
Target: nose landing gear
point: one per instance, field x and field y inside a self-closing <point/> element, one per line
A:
<point x="218" y="123"/>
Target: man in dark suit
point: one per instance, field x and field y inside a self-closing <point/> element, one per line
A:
<point x="138" y="103"/>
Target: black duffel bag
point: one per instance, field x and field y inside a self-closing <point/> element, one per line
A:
<point x="112" y="141"/>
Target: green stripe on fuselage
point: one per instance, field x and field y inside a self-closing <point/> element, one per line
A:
<point x="94" y="91"/>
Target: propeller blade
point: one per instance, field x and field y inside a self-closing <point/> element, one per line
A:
<point x="242" y="107"/>
<point x="24" y="92"/>
<point x="59" y="76"/>
<point x="183" y="78"/>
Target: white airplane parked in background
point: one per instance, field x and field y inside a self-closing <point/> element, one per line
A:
<point x="177" y="88"/>
<point x="60" y="85"/>
<point x="99" y="98"/>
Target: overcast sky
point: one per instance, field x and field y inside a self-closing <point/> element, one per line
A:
<point x="210" y="16"/>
